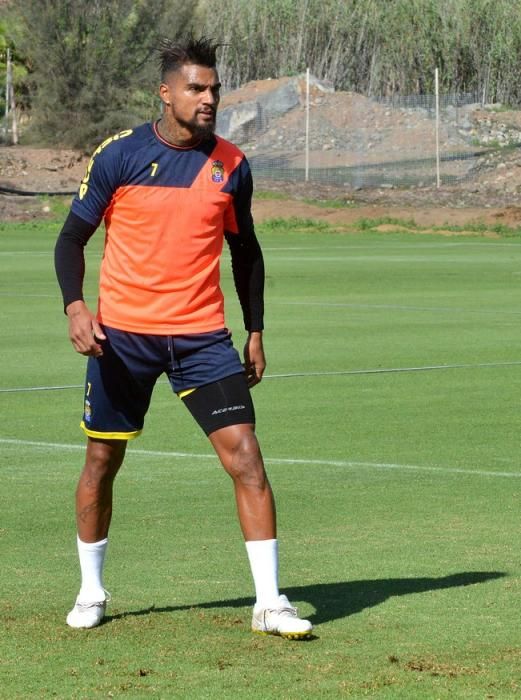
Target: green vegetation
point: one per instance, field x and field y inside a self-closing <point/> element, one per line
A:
<point x="92" y="68"/>
<point x="19" y="73"/>
<point x="365" y="224"/>
<point x="397" y="485"/>
<point x="499" y="108"/>
<point x="332" y="203"/>
<point x="270" y="195"/>
<point x="85" y="69"/>
<point x="295" y="224"/>
<point x="374" y="47"/>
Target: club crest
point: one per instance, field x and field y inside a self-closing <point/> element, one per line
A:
<point x="217" y="171"/>
<point x="87" y="412"/>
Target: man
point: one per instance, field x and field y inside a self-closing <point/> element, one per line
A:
<point x="169" y="193"/>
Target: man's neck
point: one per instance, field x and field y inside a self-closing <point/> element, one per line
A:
<point x="176" y="135"/>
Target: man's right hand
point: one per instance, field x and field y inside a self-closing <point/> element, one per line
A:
<point x="84" y="330"/>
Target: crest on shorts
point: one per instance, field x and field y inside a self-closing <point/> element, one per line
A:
<point x="87" y="411"/>
<point x="218" y="171"/>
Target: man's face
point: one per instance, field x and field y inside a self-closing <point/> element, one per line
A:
<point x="191" y="96"/>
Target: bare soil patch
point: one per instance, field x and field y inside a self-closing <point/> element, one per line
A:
<point x="341" y="124"/>
<point x="41" y="170"/>
<point x="50" y="171"/>
<point x="425" y="216"/>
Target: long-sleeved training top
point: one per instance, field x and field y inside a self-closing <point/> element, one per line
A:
<point x="166" y="211"/>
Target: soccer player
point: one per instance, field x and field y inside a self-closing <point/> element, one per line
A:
<point x="169" y="193"/>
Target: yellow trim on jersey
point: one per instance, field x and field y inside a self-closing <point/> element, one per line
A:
<point x="185" y="392"/>
<point x="110" y="436"/>
<point x="84" y="187"/>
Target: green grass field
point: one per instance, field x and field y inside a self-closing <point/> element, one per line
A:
<point x="389" y="421"/>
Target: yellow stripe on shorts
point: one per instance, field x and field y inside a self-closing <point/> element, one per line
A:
<point x="185" y="392"/>
<point x="109" y="436"/>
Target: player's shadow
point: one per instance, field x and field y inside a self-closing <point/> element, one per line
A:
<point x="337" y="600"/>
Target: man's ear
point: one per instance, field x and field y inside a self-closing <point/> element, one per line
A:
<point x="164" y="93"/>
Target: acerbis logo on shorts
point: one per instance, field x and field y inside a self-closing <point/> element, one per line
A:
<point x="227" y="409"/>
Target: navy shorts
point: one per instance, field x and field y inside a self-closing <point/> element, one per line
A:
<point x="119" y="384"/>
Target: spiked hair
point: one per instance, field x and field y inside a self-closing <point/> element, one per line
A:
<point x="173" y="55"/>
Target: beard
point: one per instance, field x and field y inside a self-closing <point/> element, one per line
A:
<point x="202" y="131"/>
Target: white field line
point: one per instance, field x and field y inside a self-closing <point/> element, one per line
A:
<point x="25" y="253"/>
<point x="346" y="249"/>
<point x="391" y="370"/>
<point x="15" y="390"/>
<point x="273" y="460"/>
<point x="394" y="258"/>
<point x="327" y="304"/>
<point x="381" y="245"/>
<point x="333" y="373"/>
<point x="395" y="307"/>
<point x="393" y="248"/>
<point x="32" y="296"/>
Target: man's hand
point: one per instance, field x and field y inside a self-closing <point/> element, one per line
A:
<point x="84" y="330"/>
<point x="254" y="359"/>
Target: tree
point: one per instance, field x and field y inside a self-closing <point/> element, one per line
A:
<point x="89" y="68"/>
<point x="374" y="47"/>
<point x="90" y="63"/>
<point x="19" y="68"/>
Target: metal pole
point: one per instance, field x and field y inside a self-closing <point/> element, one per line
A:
<point x="12" y="104"/>
<point x="14" y="123"/>
<point x="307" y="125"/>
<point x="7" y="92"/>
<point x="437" y="88"/>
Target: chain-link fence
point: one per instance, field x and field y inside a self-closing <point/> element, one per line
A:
<point x="290" y="132"/>
<point x="299" y="129"/>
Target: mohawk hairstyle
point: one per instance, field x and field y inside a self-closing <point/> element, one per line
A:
<point x="200" y="52"/>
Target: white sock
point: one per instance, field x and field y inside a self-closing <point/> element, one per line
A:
<point x="264" y="564"/>
<point x="92" y="557"/>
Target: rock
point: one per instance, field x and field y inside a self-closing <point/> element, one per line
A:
<point x="241" y="122"/>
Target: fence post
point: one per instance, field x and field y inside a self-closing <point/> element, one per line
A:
<point x="7" y="93"/>
<point x="10" y="105"/>
<point x="307" y="126"/>
<point x="437" y="90"/>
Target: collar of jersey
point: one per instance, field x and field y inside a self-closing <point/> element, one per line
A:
<point x="172" y="145"/>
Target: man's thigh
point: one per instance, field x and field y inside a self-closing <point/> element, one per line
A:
<point x="221" y="404"/>
<point x="119" y="386"/>
<point x="202" y="359"/>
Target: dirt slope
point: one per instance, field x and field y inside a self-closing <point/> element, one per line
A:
<point x="47" y="170"/>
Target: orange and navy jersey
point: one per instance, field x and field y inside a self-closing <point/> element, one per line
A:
<point x="166" y="210"/>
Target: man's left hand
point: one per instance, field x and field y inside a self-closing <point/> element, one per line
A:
<point x="254" y="359"/>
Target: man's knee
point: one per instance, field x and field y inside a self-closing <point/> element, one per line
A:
<point x="245" y="461"/>
<point x="103" y="459"/>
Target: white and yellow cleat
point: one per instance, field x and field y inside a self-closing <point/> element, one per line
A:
<point x="86" y="615"/>
<point x="282" y="620"/>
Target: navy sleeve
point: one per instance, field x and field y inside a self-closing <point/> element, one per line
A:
<point x="95" y="193"/>
<point x="100" y="181"/>
<point x="69" y="259"/>
<point x="246" y="254"/>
